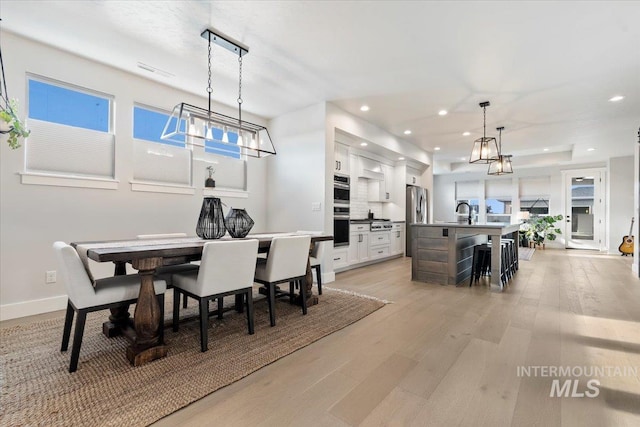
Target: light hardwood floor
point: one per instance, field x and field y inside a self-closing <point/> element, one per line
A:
<point x="445" y="355"/>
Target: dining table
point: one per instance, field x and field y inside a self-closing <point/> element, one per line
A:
<point x="144" y="330"/>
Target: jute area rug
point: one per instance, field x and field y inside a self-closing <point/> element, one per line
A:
<point x="37" y="389"/>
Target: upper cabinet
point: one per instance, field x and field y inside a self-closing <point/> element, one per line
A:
<point x="382" y="190"/>
<point x="414" y="177"/>
<point x="341" y="157"/>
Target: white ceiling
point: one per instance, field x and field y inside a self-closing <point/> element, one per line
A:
<point x="548" y="68"/>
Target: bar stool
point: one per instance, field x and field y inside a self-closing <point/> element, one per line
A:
<point x="481" y="263"/>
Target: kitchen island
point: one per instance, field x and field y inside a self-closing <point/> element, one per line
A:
<point x="443" y="253"/>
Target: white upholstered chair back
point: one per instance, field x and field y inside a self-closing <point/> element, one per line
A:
<point x="317" y="251"/>
<point x="227" y="266"/>
<point x="76" y="280"/>
<point x="287" y="258"/>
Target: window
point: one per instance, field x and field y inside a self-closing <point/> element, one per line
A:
<point x="71" y="131"/>
<point x="535" y="206"/>
<point x="57" y="104"/>
<point x="149" y="124"/>
<point x="498" y="210"/>
<point x="213" y="147"/>
<point x="155" y="160"/>
<point x="462" y="212"/>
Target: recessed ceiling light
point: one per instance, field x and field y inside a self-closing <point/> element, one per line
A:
<point x="407" y="132"/>
<point x="364" y="108"/>
<point x="436" y="148"/>
<point x="616" y="98"/>
<point x="591" y="149"/>
<point x="463" y="158"/>
<point x="545" y="149"/>
<point x="400" y="158"/>
<point x="363" y="144"/>
<point x="442" y="112"/>
<point x="466" y="133"/>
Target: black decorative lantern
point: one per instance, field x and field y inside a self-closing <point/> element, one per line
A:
<point x="238" y="222"/>
<point x="211" y="221"/>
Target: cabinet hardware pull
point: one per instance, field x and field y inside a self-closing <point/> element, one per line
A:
<point x="336" y="259"/>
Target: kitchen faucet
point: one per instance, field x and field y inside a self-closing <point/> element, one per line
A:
<point x="468" y="206"/>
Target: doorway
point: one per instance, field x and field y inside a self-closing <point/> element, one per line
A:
<point x="584" y="209"/>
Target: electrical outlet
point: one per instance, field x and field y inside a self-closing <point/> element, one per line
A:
<point x="315" y="206"/>
<point x="50" y="276"/>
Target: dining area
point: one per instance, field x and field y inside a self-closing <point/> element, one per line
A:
<point x="190" y="268"/>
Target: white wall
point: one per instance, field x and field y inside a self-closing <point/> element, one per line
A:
<point x="620" y="207"/>
<point x="32" y="217"/>
<point x="297" y="174"/>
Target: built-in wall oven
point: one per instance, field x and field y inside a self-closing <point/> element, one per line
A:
<point x="341" y="197"/>
<point x="341" y="226"/>
<point x="341" y="190"/>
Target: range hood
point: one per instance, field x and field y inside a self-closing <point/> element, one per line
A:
<point x="370" y="169"/>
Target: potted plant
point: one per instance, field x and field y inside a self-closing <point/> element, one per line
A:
<point x="541" y="228"/>
<point x="11" y="124"/>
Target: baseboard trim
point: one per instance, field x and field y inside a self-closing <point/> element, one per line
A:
<point x="30" y="308"/>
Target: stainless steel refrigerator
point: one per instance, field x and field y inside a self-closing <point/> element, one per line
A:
<point x="416" y="212"/>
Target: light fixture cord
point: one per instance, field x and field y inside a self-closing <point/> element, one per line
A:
<point x="209" y="89"/>
<point x="484" y="122"/>
<point x="500" y="143"/>
<point x="240" y="90"/>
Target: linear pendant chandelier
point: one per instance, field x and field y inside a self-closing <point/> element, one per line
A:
<point x="503" y="165"/>
<point x="485" y="149"/>
<point x="203" y="127"/>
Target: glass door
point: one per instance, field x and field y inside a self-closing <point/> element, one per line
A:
<point x="584" y="212"/>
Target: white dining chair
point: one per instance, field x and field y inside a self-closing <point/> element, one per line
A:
<point x="85" y="297"/>
<point x="287" y="262"/>
<point x="316" y="257"/>
<point x="165" y="272"/>
<point x="226" y="268"/>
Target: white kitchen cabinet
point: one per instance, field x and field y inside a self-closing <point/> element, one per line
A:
<point x="340" y="258"/>
<point x="397" y="239"/>
<point x="379" y="244"/>
<point x="358" y="247"/>
<point x="341" y="157"/>
<point x="382" y="191"/>
<point x="414" y="177"/>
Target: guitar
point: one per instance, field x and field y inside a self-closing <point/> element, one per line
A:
<point x="626" y="247"/>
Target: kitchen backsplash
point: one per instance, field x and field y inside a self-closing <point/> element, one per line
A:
<point x="359" y="206"/>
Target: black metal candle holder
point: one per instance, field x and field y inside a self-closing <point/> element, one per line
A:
<point x="238" y="222"/>
<point x="211" y="220"/>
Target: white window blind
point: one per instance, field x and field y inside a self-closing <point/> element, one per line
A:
<point x="467" y="190"/>
<point x="68" y="150"/>
<point x="498" y="188"/>
<point x="535" y="187"/>
<point x="161" y="163"/>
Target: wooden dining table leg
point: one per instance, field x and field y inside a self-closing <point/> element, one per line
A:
<point x="308" y="282"/>
<point x="120" y="318"/>
<point x="147" y="344"/>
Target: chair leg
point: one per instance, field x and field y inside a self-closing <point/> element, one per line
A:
<point x="176" y="309"/>
<point x="184" y="301"/>
<point x="272" y="304"/>
<point x="291" y="296"/>
<point x="204" y="321"/>
<point x="249" y="297"/>
<point x="77" y="340"/>
<point x="66" y="332"/>
<point x="303" y="296"/>
<point x="319" y="277"/>
<point x="161" y="325"/>
<point x="220" y="305"/>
